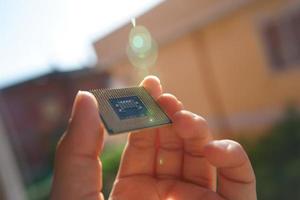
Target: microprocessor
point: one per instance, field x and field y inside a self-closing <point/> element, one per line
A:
<point x="129" y="109"/>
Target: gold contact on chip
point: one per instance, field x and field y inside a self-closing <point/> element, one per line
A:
<point x="128" y="109"/>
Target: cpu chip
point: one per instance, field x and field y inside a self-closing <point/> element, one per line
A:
<point x="129" y="109"/>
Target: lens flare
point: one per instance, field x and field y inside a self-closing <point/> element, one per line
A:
<point x="141" y="49"/>
<point x="138" y="42"/>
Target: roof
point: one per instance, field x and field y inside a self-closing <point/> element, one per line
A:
<point x="52" y="74"/>
<point x="166" y="22"/>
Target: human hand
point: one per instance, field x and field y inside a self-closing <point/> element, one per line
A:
<point x="175" y="162"/>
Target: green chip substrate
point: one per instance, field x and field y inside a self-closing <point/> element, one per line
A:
<point x="128" y="109"/>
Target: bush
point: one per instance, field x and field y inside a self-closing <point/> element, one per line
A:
<point x="276" y="160"/>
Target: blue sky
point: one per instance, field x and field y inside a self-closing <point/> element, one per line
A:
<point x="38" y="34"/>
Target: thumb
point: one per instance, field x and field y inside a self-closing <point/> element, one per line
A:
<point x="77" y="171"/>
<point x="84" y="135"/>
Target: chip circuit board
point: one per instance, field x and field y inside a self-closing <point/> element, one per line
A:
<point x="129" y="109"/>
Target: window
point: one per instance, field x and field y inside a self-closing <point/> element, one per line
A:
<point x="282" y="38"/>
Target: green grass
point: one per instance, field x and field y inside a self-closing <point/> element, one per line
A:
<point x="110" y="162"/>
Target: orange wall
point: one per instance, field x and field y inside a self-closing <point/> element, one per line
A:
<point x="222" y="71"/>
<point x="253" y="93"/>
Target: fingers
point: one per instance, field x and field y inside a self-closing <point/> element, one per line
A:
<point x="236" y="176"/>
<point x="194" y="132"/>
<point x="152" y="85"/>
<point x="169" y="153"/>
<point x="139" y="153"/>
<point x="76" y="160"/>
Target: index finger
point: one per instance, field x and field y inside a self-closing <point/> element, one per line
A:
<point x="139" y="153"/>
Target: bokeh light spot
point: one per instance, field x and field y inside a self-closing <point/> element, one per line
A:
<point x="161" y="161"/>
<point x="138" y="41"/>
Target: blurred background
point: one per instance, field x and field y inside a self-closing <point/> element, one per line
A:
<point x="235" y="62"/>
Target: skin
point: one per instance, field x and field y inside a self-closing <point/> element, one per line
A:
<point x="176" y="162"/>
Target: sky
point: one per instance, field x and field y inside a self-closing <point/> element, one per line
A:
<point x="37" y="36"/>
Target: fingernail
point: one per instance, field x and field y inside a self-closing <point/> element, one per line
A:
<point x="221" y="143"/>
<point x="77" y="97"/>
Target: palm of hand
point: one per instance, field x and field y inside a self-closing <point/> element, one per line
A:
<point x="153" y="165"/>
<point x="143" y="187"/>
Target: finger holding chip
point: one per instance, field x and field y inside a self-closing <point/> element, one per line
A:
<point x="140" y="151"/>
<point x="170" y="148"/>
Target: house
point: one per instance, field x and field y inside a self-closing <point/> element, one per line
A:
<point x="235" y="62"/>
